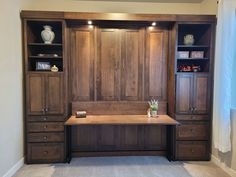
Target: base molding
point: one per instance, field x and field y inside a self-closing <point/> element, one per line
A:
<point x="119" y="153"/>
<point x="223" y="166"/>
<point x="15" y="168"/>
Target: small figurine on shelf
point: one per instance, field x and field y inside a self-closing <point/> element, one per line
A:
<point x="153" y="104"/>
<point x="54" y="68"/>
<point x="196" y="68"/>
<point x="185" y="68"/>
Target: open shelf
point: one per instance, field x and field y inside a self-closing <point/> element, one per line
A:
<point x="39" y="52"/>
<point x="197" y="55"/>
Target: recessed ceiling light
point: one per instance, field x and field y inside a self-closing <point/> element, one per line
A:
<point x="154" y="23"/>
<point x="90" y="22"/>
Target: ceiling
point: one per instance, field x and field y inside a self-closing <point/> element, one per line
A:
<point x="157" y="1"/>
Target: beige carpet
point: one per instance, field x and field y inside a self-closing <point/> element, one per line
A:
<point x="123" y="167"/>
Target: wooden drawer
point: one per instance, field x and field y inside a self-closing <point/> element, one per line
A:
<point x="46" y="118"/>
<point x="192" y="117"/>
<point x="192" y="150"/>
<point x="45" y="137"/>
<point x="45" y="152"/>
<point x="45" y="127"/>
<point x="192" y="131"/>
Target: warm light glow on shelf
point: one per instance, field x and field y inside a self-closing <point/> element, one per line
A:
<point x="154" y="23"/>
<point x="90" y="22"/>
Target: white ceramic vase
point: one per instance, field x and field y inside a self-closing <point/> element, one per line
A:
<point x="47" y="34"/>
<point x="188" y="39"/>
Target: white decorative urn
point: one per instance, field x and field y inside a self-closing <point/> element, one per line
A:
<point x="188" y="39"/>
<point x="47" y="34"/>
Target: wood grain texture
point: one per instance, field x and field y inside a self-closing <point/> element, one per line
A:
<point x="82" y="64"/>
<point x="156" y="64"/>
<point x="201" y="95"/>
<point x="54" y="94"/>
<point x="132" y="61"/>
<point x="115" y="107"/>
<point x="108" y="63"/>
<point x="121" y="120"/>
<point x="35" y="102"/>
<point x="184" y="93"/>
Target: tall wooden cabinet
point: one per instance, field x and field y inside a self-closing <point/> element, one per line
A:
<point x="45" y="92"/>
<point x="193" y="91"/>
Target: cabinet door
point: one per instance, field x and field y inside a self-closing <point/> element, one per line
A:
<point x="35" y="94"/>
<point x="108" y="69"/>
<point x="156" y="64"/>
<point x="54" y="93"/>
<point x="201" y="95"/>
<point x="132" y="61"/>
<point x="184" y="93"/>
<point x="82" y="64"/>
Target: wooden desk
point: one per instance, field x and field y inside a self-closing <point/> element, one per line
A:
<point x="120" y="120"/>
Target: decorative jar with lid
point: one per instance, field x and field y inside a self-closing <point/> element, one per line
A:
<point x="47" y="34"/>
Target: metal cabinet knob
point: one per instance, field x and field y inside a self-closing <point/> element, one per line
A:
<point x="45" y="137"/>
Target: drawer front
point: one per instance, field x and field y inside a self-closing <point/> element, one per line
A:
<point x="45" y="153"/>
<point x="45" y="127"/>
<point x="192" y="131"/>
<point x="46" y="118"/>
<point x="192" y="117"/>
<point x="45" y="137"/>
<point x="190" y="150"/>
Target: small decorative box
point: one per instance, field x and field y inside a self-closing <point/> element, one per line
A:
<point x="183" y="54"/>
<point x="197" y="54"/>
<point x="80" y="114"/>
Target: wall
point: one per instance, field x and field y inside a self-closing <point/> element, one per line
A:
<point x="11" y="126"/>
<point x="207" y="7"/>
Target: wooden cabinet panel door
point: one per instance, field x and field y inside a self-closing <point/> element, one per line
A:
<point x="156" y="64"/>
<point x="201" y="95"/>
<point x="154" y="137"/>
<point x="132" y="61"/>
<point x="184" y="93"/>
<point x="131" y="138"/>
<point x="35" y="94"/>
<point x="109" y="137"/>
<point x="108" y="69"/>
<point x="54" y="94"/>
<point x="82" y="64"/>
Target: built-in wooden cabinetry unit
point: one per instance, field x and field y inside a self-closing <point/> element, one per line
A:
<point x="120" y="59"/>
<point x="45" y="91"/>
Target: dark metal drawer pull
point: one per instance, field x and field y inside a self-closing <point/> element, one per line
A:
<point x="45" y="152"/>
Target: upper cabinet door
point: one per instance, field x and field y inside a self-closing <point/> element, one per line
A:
<point x="82" y="64"/>
<point x="108" y="64"/>
<point x="132" y="61"/>
<point x="35" y="94"/>
<point x="156" y="64"/>
<point x="54" y="94"/>
<point x="201" y="95"/>
<point x="184" y="84"/>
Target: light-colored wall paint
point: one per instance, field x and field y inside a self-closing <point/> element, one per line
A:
<point x="11" y="126"/>
<point x="122" y="7"/>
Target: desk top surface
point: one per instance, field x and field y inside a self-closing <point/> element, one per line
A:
<point x="121" y="120"/>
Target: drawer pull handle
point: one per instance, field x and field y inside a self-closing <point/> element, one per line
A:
<point x="45" y="152"/>
<point x="192" y="151"/>
<point x="45" y="118"/>
<point x="45" y="127"/>
<point x="45" y="137"/>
